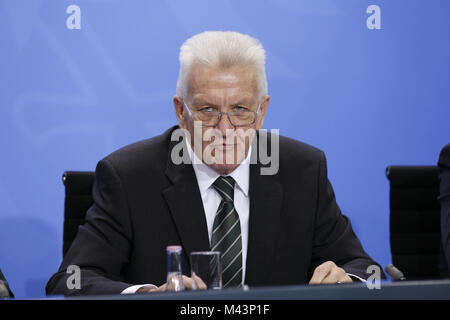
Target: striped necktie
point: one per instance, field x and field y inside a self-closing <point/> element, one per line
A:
<point x="226" y="235"/>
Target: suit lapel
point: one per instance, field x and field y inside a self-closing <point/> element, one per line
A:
<point x="186" y="207"/>
<point x="266" y="195"/>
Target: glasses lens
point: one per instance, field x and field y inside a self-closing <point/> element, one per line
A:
<point x="207" y="118"/>
<point x="242" y="118"/>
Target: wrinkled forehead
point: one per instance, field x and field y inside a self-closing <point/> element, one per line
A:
<point x="222" y="84"/>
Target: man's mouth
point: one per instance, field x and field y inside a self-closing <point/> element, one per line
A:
<point x="226" y="146"/>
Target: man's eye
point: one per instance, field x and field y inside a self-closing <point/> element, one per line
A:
<point x="239" y="109"/>
<point x="206" y="109"/>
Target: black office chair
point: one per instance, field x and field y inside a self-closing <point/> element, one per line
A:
<point x="78" y="199"/>
<point x="415" y="234"/>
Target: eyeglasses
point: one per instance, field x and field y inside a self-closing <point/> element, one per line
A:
<point x="241" y="116"/>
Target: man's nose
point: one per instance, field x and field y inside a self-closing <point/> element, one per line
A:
<point x="224" y="124"/>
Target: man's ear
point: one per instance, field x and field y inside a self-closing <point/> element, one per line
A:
<point x="262" y="112"/>
<point x="179" y="111"/>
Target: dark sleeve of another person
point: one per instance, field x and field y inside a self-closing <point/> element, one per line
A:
<point x="5" y="291"/>
<point x="444" y="199"/>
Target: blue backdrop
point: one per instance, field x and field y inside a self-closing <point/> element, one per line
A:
<point x="68" y="97"/>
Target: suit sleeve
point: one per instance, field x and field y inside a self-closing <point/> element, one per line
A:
<point x="101" y="248"/>
<point x="334" y="239"/>
<point x="444" y="200"/>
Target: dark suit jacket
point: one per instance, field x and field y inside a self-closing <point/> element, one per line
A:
<point x="444" y="199"/>
<point x="143" y="203"/>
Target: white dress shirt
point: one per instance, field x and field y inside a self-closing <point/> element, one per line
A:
<point x="211" y="200"/>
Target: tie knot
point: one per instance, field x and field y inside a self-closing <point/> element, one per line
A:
<point x="225" y="187"/>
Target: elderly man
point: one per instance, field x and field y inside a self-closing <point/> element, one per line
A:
<point x="272" y="228"/>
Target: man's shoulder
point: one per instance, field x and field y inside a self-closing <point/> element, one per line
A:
<point x="444" y="157"/>
<point x="295" y="159"/>
<point x="146" y="152"/>
<point x="298" y="146"/>
<point x="292" y="150"/>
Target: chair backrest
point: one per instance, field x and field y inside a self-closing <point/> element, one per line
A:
<point x="415" y="234"/>
<point x="78" y="199"/>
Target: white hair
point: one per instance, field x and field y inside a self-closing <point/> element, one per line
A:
<point x="222" y="49"/>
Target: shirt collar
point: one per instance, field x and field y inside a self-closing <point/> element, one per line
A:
<point x="206" y="175"/>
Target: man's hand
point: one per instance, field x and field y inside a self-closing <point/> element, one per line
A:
<point x="329" y="273"/>
<point x="189" y="284"/>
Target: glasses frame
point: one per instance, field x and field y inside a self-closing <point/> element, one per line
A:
<point x="219" y="116"/>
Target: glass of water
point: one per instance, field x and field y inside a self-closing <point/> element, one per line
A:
<point x="206" y="270"/>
